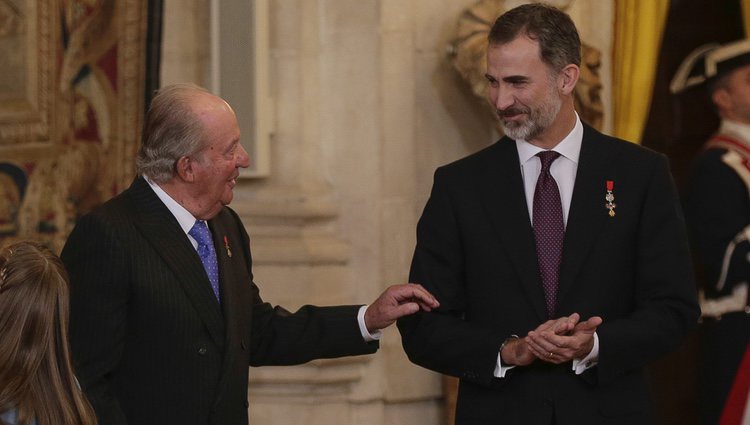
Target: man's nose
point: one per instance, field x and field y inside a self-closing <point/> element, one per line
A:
<point x="243" y="159"/>
<point x="503" y="99"/>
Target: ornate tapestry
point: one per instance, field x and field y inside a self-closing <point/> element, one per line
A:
<point x="71" y="105"/>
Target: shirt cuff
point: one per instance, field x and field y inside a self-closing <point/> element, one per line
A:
<point x="591" y="360"/>
<point x="366" y="335"/>
<point x="501" y="370"/>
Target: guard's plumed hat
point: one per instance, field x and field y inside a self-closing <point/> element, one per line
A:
<point x="710" y="62"/>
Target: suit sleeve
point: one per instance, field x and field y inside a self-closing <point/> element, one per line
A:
<point x="441" y="340"/>
<point x="98" y="312"/>
<point x="280" y="337"/>
<point x="665" y="306"/>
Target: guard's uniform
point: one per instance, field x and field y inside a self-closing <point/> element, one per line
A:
<point x="718" y="214"/>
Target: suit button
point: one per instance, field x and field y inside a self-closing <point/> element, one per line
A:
<point x="202" y="351"/>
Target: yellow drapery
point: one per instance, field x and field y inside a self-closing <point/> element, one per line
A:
<point x="639" y="25"/>
<point x="746" y="17"/>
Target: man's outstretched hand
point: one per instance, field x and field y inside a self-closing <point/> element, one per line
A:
<point x="395" y="302"/>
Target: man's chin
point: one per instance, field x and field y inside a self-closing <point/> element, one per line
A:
<point x="515" y="130"/>
<point x="226" y="200"/>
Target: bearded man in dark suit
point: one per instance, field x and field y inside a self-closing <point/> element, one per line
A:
<point x="558" y="254"/>
<point x="165" y="316"/>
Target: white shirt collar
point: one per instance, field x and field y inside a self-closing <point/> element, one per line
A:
<point x="183" y="216"/>
<point x="735" y="128"/>
<point x="569" y="146"/>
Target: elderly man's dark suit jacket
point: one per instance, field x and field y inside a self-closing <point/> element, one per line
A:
<point x="151" y="343"/>
<point x="476" y="253"/>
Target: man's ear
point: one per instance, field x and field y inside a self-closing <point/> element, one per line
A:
<point x="721" y="99"/>
<point x="568" y="78"/>
<point x="184" y="169"/>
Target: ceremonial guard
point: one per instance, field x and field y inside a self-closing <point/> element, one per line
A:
<point x="717" y="206"/>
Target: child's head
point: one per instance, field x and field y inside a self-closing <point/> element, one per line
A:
<point x="35" y="366"/>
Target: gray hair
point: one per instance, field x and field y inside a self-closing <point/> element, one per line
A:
<point x="171" y="131"/>
<point x="559" y="43"/>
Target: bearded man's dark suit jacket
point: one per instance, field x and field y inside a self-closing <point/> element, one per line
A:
<point x="151" y="343"/>
<point x="476" y="253"/>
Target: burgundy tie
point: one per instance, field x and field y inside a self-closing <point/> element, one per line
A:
<point x="548" y="229"/>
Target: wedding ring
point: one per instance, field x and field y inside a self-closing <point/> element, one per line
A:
<point x="550" y="354"/>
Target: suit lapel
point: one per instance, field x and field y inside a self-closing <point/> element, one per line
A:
<point x="226" y="268"/>
<point x="587" y="208"/>
<point x="502" y="193"/>
<point x="229" y="278"/>
<point x="160" y="228"/>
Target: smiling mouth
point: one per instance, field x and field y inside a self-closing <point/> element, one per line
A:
<point x="511" y="114"/>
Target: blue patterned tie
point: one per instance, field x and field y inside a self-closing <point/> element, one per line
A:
<point x="207" y="252"/>
<point x="549" y="229"/>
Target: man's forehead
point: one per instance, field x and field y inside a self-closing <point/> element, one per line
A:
<point x="730" y="79"/>
<point x="513" y="54"/>
<point x="522" y="44"/>
<point x="742" y="71"/>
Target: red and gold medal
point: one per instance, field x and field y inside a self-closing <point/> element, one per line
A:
<point x="610" y="198"/>
<point x="226" y="246"/>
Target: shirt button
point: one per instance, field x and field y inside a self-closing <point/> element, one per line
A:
<point x="202" y="351"/>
